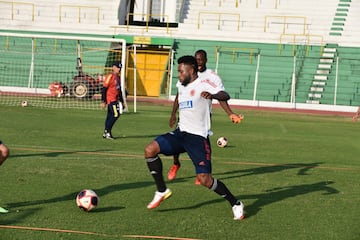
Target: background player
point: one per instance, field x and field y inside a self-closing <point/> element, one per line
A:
<point x="110" y="96"/>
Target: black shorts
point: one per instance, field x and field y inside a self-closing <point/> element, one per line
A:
<point x="197" y="147"/>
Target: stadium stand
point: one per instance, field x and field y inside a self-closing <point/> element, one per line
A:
<point x="315" y="42"/>
<point x="87" y="17"/>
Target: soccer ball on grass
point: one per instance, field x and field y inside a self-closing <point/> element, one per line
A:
<point x="24" y="103"/>
<point x="87" y="200"/>
<point x="222" y="142"/>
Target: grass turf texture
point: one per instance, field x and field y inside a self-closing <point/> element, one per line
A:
<point x="297" y="175"/>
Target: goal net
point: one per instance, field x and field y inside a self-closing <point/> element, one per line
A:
<point x="56" y="71"/>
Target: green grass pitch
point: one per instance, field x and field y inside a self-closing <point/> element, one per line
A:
<point x="297" y="174"/>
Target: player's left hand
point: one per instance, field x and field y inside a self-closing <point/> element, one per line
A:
<point x="236" y="118"/>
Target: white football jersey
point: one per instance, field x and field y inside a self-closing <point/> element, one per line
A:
<point x="194" y="110"/>
<point x="212" y="76"/>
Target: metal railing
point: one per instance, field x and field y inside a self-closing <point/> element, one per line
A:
<point x="252" y="52"/>
<point x="236" y="3"/>
<point x="305" y="39"/>
<point x="13" y="4"/>
<point x="219" y="18"/>
<point x="285" y="20"/>
<point x="79" y="8"/>
<point x="276" y="3"/>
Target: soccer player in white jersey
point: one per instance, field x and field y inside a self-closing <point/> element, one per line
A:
<point x="194" y="99"/>
<point x="208" y="75"/>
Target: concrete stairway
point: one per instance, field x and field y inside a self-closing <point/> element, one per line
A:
<point x="322" y="74"/>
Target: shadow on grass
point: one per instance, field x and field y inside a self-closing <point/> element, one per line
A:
<point x="303" y="169"/>
<point x="53" y="153"/>
<point x="279" y="194"/>
<point x="262" y="199"/>
<point x="23" y="213"/>
<point x="56" y="153"/>
<point x="13" y="217"/>
<point x="71" y="196"/>
<point x="135" y="136"/>
<point x="271" y="196"/>
<point x="273" y="168"/>
<point x="106" y="209"/>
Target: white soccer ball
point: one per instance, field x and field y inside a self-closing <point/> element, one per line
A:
<point x="24" y="103"/>
<point x="222" y="142"/>
<point x="87" y="200"/>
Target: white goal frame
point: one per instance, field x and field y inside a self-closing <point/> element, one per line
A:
<point x="34" y="90"/>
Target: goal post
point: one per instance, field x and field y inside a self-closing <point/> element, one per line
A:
<point x="57" y="71"/>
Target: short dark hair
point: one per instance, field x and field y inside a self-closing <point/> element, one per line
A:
<point x="201" y="51"/>
<point x="188" y="60"/>
<point x="117" y="64"/>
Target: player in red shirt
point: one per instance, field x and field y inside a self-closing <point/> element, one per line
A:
<point x="112" y="97"/>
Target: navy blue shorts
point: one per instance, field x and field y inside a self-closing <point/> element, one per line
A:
<point x="114" y="109"/>
<point x="197" y="147"/>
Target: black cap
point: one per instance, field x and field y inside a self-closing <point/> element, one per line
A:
<point x="117" y="64"/>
